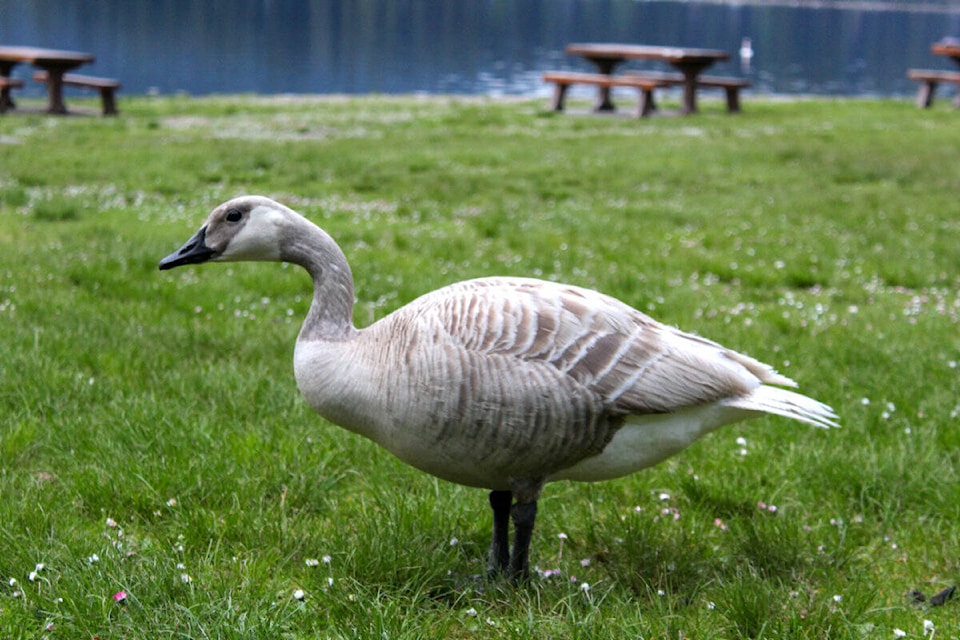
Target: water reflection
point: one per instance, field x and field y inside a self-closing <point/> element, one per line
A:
<point x="478" y="47"/>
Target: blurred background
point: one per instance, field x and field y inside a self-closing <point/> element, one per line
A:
<point x="476" y="47"/>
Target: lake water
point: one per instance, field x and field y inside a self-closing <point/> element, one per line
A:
<point x="493" y="47"/>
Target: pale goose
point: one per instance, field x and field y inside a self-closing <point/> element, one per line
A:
<point x="500" y="383"/>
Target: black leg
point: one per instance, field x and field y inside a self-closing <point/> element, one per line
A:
<point x="524" y="514"/>
<point x="499" y="561"/>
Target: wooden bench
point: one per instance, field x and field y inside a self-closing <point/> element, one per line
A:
<point x="106" y="86"/>
<point x="929" y="79"/>
<point x="5" y="85"/>
<point x="563" y="80"/>
<point x="731" y="86"/>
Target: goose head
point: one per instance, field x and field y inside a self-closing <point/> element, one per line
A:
<point x="250" y="228"/>
<point x="255" y="228"/>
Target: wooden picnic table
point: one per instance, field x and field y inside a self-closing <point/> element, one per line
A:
<point x="54" y="62"/>
<point x="690" y="62"/>
<point x="949" y="49"/>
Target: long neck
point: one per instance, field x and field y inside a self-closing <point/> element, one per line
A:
<point x="331" y="312"/>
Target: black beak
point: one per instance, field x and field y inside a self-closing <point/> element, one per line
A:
<point x="193" y="252"/>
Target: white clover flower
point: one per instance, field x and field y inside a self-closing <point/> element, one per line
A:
<point x="312" y="562"/>
<point x="899" y="633"/>
<point x="111" y="522"/>
<point x="93" y="559"/>
<point x="585" y="587"/>
<point x="928" y="626"/>
<point x="562" y="536"/>
<point x="664" y="496"/>
<point x="299" y="594"/>
<point x="185" y="578"/>
<point x="326" y="559"/>
<point x="838" y="598"/>
<point x="471" y="612"/>
<point x="454" y="542"/>
<point x="33" y="576"/>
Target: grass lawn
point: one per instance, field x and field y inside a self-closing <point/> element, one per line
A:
<point x="153" y="442"/>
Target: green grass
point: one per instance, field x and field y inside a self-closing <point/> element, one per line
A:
<point x="152" y="420"/>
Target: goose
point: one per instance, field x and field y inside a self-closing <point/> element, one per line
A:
<point x="500" y="383"/>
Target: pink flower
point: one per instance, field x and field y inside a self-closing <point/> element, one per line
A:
<point x="120" y="596"/>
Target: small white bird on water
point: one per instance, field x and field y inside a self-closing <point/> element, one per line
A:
<point x="500" y="383"/>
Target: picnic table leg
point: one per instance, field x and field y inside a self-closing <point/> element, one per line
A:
<point x="689" y="93"/>
<point x="559" y="95"/>
<point x="6" y="102"/>
<point x="925" y="93"/>
<point x="603" y="102"/>
<point x="55" y="103"/>
<point x="690" y="72"/>
<point x="689" y="89"/>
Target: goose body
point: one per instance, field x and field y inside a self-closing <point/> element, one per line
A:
<point x="500" y="383"/>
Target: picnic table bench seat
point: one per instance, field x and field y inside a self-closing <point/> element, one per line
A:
<point x="929" y="79"/>
<point x="730" y="85"/>
<point x="5" y="85"/>
<point x="564" y="79"/>
<point x="106" y="86"/>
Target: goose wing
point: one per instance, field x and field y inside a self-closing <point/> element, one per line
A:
<point x="629" y="361"/>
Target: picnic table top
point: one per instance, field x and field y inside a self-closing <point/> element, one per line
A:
<point x="951" y="49"/>
<point x="41" y="55"/>
<point x="616" y="51"/>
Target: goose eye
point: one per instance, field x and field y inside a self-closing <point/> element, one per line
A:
<point x="234" y="215"/>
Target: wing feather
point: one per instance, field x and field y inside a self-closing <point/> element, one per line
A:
<point x="631" y="362"/>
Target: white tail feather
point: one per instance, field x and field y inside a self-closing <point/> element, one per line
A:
<point x="788" y="404"/>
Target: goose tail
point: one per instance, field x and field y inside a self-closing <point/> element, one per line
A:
<point x="788" y="404"/>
